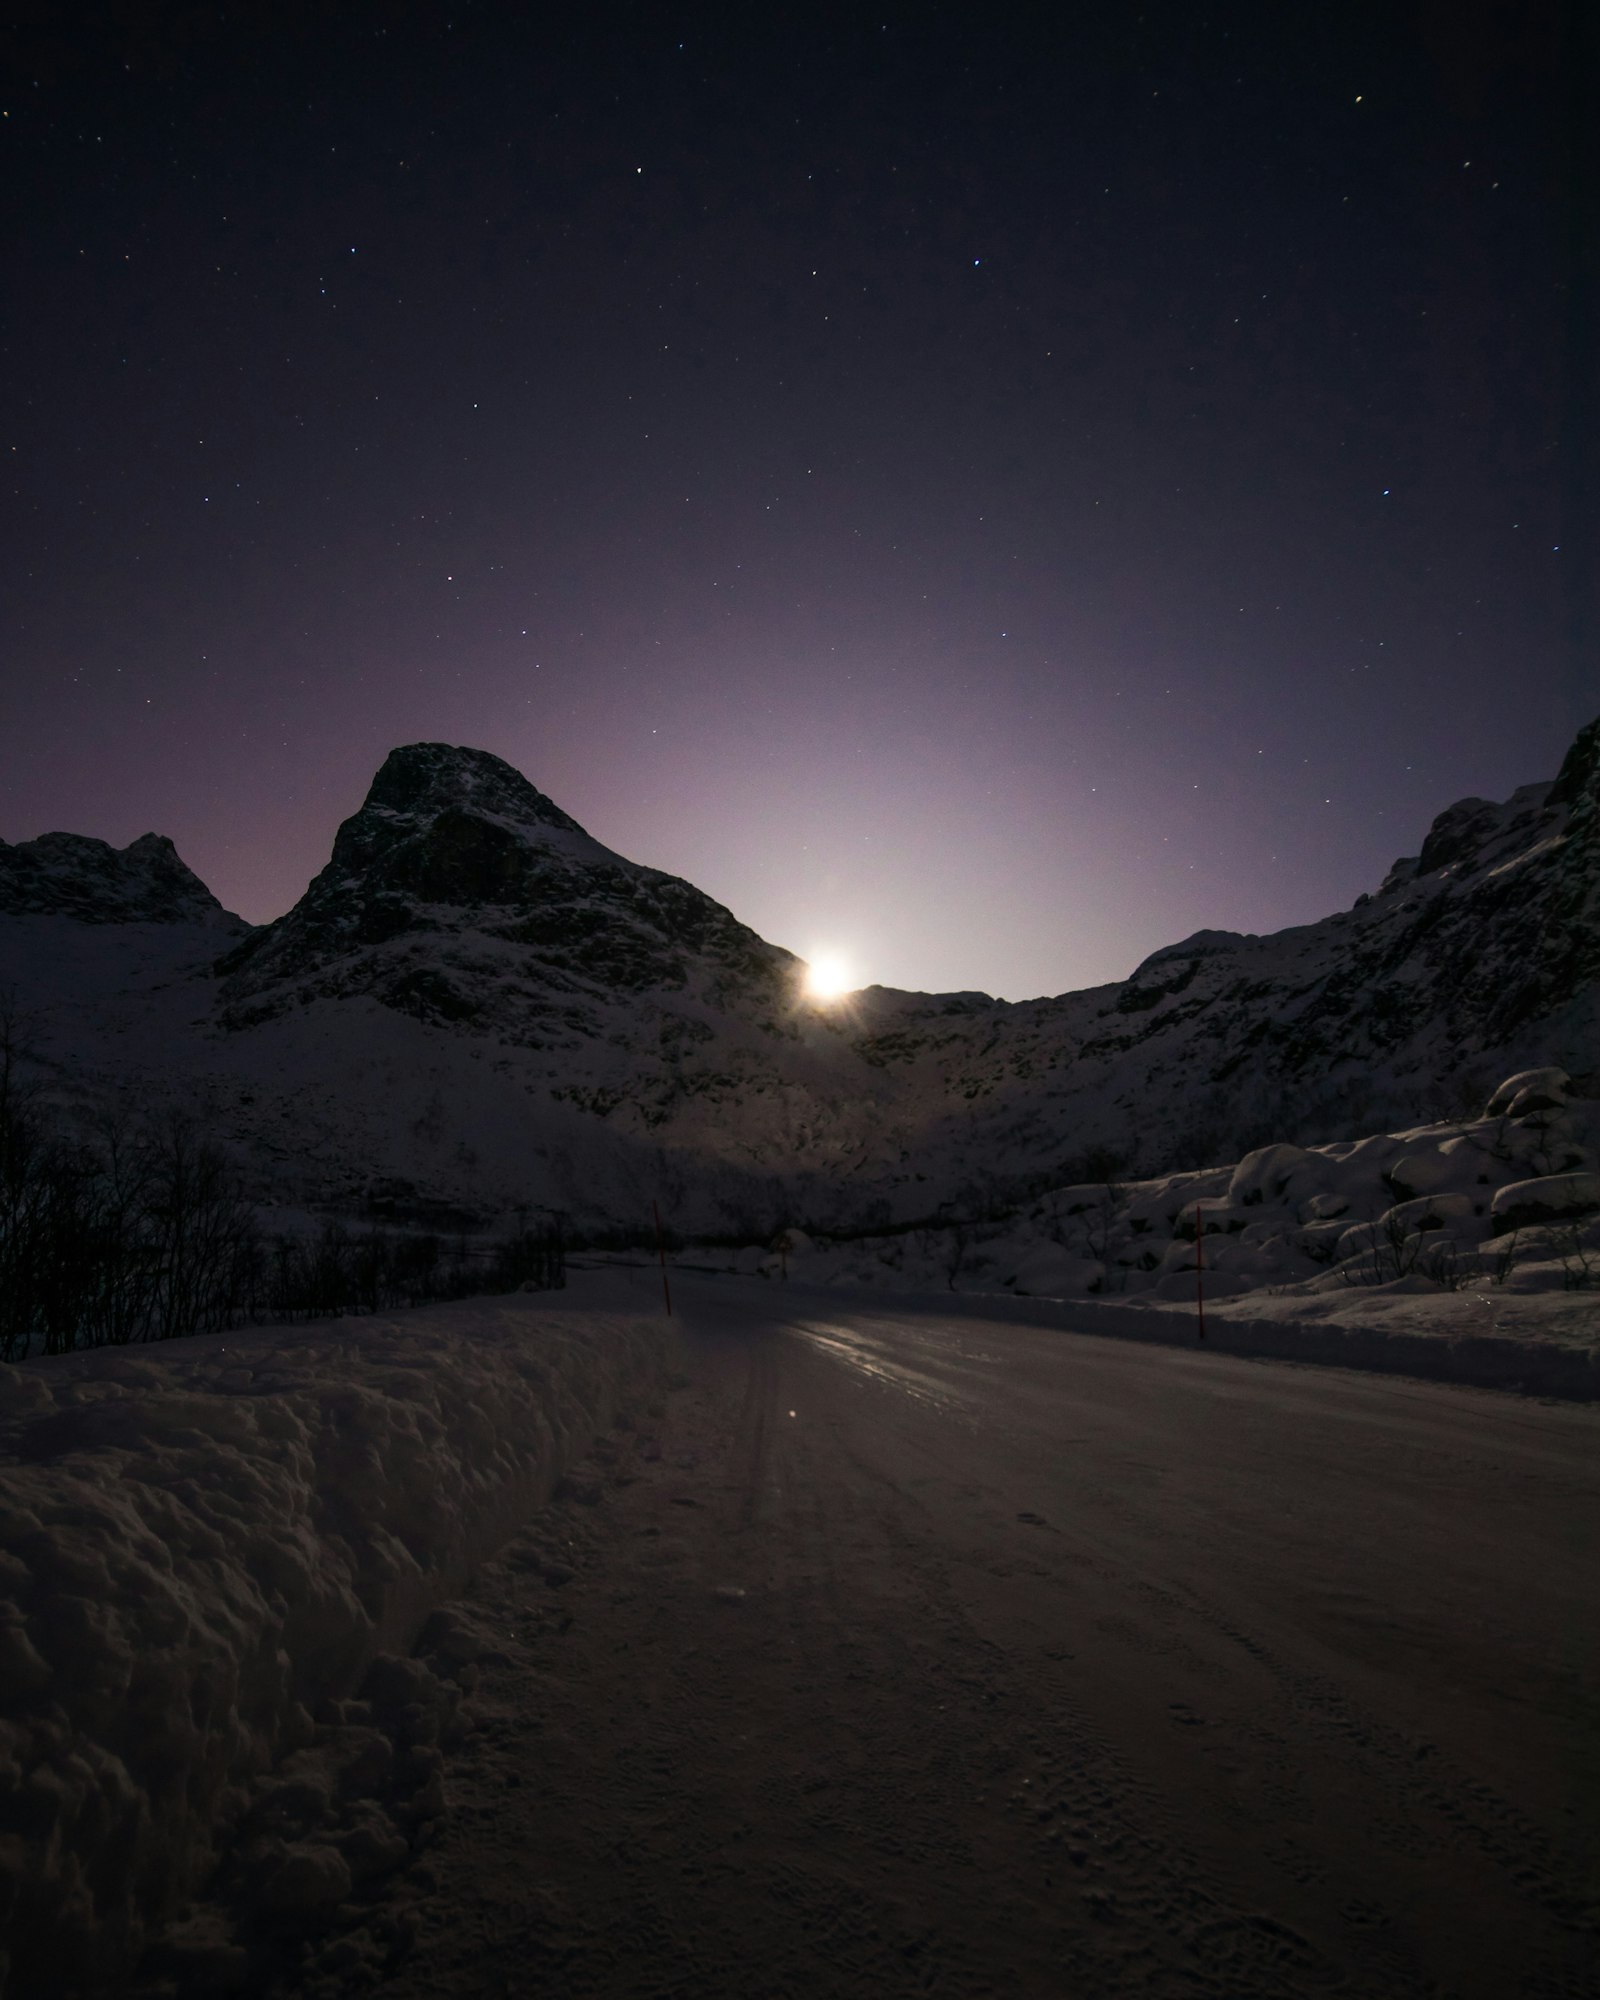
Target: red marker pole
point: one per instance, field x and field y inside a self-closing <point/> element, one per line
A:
<point x="661" y="1252"/>
<point x="1199" y="1268"/>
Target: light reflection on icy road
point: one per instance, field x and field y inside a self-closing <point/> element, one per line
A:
<point x="877" y="1358"/>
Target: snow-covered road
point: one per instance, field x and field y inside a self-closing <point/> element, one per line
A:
<point x="911" y="1654"/>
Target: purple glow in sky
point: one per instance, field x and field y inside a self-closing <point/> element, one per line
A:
<point x="983" y="500"/>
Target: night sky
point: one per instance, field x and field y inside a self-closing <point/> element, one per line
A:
<point x="982" y="496"/>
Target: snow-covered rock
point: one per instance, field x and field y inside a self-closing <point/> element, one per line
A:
<point x="1271" y="1173"/>
<point x="1320" y="1240"/>
<point x="1430" y="1211"/>
<point x="1550" y="1198"/>
<point x="1423" y="1173"/>
<point x="1323" y="1208"/>
<point x="1528" y="1091"/>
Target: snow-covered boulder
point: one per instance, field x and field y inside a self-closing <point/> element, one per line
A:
<point x="1217" y="1218"/>
<point x="1528" y="1091"/>
<point x="1275" y="1174"/>
<point x="1356" y="1167"/>
<point x="1479" y="1158"/>
<point x="1324" y="1207"/>
<point x="1424" y="1173"/>
<point x="1320" y="1240"/>
<point x="1356" y="1241"/>
<point x="1399" y="1236"/>
<point x="1550" y="1198"/>
<point x="1425" y="1212"/>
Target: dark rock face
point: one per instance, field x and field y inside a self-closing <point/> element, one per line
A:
<point x="71" y="875"/>
<point x="1455" y="833"/>
<point x="454" y="853"/>
<point x="1579" y="776"/>
<point x="421" y="781"/>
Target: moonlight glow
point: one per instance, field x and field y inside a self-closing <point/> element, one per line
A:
<point x="828" y="977"/>
<point x="820" y="613"/>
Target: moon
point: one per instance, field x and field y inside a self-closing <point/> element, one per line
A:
<point x="828" y="977"/>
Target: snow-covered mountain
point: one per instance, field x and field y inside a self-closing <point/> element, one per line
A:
<point x="459" y="893"/>
<point x="476" y="1002"/>
<point x="69" y="874"/>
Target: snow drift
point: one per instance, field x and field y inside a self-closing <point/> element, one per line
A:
<point x="202" y="1543"/>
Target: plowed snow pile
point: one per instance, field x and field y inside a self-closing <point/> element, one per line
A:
<point x="202" y="1543"/>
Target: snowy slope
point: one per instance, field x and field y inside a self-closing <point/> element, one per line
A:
<point x="1482" y="954"/>
<point x="478" y="1002"/>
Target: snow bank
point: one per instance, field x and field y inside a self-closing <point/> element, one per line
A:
<point x="202" y="1542"/>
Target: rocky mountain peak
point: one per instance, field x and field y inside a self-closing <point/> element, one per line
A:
<point x="428" y="778"/>
<point x="74" y="875"/>
<point x="458" y="882"/>
<point x="1476" y="836"/>
<point x="447" y="826"/>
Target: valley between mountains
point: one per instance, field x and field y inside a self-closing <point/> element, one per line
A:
<point x="477" y="1005"/>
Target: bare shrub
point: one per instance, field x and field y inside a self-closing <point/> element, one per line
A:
<point x="1580" y="1265"/>
<point x="140" y="1229"/>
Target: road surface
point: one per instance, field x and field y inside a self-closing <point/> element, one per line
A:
<point x="909" y="1654"/>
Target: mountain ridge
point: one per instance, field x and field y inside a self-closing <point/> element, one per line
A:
<point x="75" y="875"/>
<point x="477" y="996"/>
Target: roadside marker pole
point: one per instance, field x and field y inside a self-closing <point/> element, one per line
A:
<point x="1199" y="1269"/>
<point x="661" y="1251"/>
